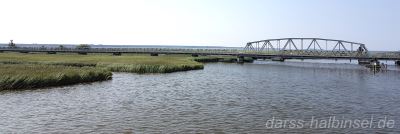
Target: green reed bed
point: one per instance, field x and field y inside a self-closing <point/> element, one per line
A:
<point x="50" y="63"/>
<point x="125" y="63"/>
<point x="26" y="76"/>
<point x="150" y="68"/>
<point x="24" y="71"/>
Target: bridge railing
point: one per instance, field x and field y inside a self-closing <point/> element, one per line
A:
<point x="200" y="51"/>
<point x="120" y="50"/>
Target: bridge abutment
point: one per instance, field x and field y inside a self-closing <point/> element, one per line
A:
<point x="240" y="59"/>
<point x="364" y="61"/>
<point x="281" y="59"/>
<point x="117" y="54"/>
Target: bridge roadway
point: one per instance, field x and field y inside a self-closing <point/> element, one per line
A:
<point x="197" y="52"/>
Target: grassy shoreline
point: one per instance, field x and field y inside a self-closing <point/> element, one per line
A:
<point x="27" y="71"/>
<point x="127" y="63"/>
<point x="21" y="70"/>
<point x="28" y="76"/>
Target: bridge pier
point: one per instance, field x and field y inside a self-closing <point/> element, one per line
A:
<point x="154" y="54"/>
<point x="364" y="61"/>
<point x="374" y="64"/>
<point x="51" y="52"/>
<point x="281" y="59"/>
<point x="117" y="54"/>
<point x="240" y="59"/>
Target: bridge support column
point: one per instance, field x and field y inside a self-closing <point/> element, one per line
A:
<point x="51" y="52"/>
<point x="397" y="63"/>
<point x="364" y="61"/>
<point x="154" y="54"/>
<point x="374" y="64"/>
<point x="195" y="55"/>
<point x="117" y="54"/>
<point x="281" y="59"/>
<point x="240" y="59"/>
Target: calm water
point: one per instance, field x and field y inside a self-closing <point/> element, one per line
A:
<point x="222" y="98"/>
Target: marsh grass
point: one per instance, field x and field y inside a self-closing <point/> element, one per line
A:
<point x="22" y="71"/>
<point x="150" y="68"/>
<point x="26" y="76"/>
<point x="50" y="63"/>
<point x="126" y="63"/>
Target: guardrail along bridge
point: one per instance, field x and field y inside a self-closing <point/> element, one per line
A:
<point x="275" y="49"/>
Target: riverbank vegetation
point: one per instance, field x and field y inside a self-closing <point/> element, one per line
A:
<point x="35" y="70"/>
<point x="125" y="63"/>
<point x="24" y="76"/>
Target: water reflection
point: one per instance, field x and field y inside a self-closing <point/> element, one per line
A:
<point x="222" y="98"/>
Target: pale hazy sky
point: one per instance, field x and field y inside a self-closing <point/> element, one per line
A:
<point x="199" y="22"/>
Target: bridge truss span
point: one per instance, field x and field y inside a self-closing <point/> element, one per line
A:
<point x="308" y="47"/>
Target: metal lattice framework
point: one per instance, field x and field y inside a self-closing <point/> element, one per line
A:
<point x="307" y="46"/>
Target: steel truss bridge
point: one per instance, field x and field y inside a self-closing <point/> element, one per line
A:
<point x="285" y="48"/>
<point x="308" y="47"/>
